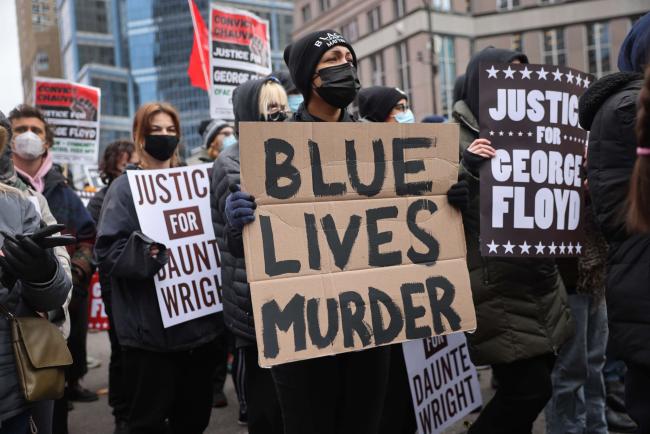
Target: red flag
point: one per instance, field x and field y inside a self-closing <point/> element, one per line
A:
<point x="199" y="67"/>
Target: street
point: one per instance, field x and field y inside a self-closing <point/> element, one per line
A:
<point x="96" y="418"/>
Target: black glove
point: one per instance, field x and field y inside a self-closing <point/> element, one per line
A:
<point x="458" y="195"/>
<point x="473" y="161"/>
<point x="24" y="259"/>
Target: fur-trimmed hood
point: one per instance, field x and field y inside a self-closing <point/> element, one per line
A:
<point x="600" y="91"/>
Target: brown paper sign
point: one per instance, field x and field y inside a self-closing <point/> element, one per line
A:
<point x="531" y="192"/>
<point x="354" y="244"/>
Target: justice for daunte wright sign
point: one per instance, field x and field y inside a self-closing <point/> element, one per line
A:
<point x="531" y="201"/>
<point x="354" y="243"/>
<point x="443" y="380"/>
<point x="173" y="207"/>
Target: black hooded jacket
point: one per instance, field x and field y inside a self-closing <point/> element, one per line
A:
<point x="122" y="252"/>
<point x="238" y="310"/>
<point x="608" y="110"/>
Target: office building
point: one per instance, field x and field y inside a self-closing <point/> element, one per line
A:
<point x="38" y="39"/>
<point x="421" y="46"/>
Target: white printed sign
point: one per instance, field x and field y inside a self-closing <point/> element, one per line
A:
<point x="443" y="381"/>
<point x="173" y="207"/>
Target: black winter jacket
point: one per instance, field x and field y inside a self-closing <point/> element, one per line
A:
<point x="122" y="252"/>
<point x="608" y="110"/>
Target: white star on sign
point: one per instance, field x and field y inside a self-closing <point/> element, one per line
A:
<point x="492" y="73"/>
<point x="540" y="248"/>
<point x="562" y="248"/>
<point x="552" y="248"/>
<point x="510" y="133"/>
<point x="570" y="248"/>
<point x="579" y="80"/>
<point x="530" y="134"/>
<point x="491" y="133"/>
<point x="510" y="73"/>
<point x="525" y="73"/>
<point x="541" y="74"/>
<point x="509" y="247"/>
<point x="586" y="82"/>
<point x="569" y="77"/>
<point x="557" y="75"/>
<point x="525" y="248"/>
<point x="493" y="247"/>
<point x="520" y="134"/>
<point x="501" y="133"/>
<point x="565" y="137"/>
<point x="578" y="248"/>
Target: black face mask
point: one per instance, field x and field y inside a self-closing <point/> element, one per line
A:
<point x="279" y="116"/>
<point x="339" y="85"/>
<point x="160" y="147"/>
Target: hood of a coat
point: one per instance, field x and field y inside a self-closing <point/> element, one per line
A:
<point x="635" y="50"/>
<point x="470" y="92"/>
<point x="599" y="92"/>
<point x="245" y="101"/>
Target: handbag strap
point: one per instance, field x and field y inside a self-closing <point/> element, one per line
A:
<point x="7" y="313"/>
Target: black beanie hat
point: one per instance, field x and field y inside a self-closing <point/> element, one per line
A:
<point x="376" y="102"/>
<point x="303" y="55"/>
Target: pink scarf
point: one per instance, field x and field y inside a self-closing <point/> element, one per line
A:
<point x="37" y="180"/>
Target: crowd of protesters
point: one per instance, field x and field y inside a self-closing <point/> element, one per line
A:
<point x="569" y="337"/>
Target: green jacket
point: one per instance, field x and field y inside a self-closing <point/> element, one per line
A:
<point x="521" y="304"/>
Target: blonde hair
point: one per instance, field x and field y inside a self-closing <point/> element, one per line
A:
<point x="142" y="125"/>
<point x="271" y="93"/>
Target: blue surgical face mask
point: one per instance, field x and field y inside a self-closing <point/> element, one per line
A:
<point x="406" y="117"/>
<point x="295" y="101"/>
<point x="229" y="141"/>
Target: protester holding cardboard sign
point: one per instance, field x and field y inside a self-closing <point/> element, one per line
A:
<point x="522" y="314"/>
<point x="176" y="363"/>
<point x="255" y="100"/>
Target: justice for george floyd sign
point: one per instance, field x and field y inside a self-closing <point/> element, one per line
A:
<point x="531" y="200"/>
<point x="443" y="380"/>
<point x="173" y="207"/>
<point x="354" y="244"/>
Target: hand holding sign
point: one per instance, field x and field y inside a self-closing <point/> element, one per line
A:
<point x="476" y="154"/>
<point x="240" y="208"/>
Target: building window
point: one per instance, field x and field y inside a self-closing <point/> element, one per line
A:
<point x="517" y="43"/>
<point x="442" y="5"/>
<point x="399" y="6"/>
<point x="95" y="54"/>
<point x="403" y="67"/>
<point x="507" y="5"/>
<point x="598" y="48"/>
<point x="306" y="13"/>
<point x="377" y="66"/>
<point x="548" y="2"/>
<point x="374" y="19"/>
<point x="324" y="5"/>
<point x="554" y="52"/>
<point x="350" y="31"/>
<point x="92" y="16"/>
<point x="444" y="46"/>
<point x="42" y="61"/>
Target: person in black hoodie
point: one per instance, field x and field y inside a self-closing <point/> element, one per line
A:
<point x="167" y="370"/>
<point x="114" y="161"/>
<point x="343" y="393"/>
<point x="522" y="314"/>
<point x="608" y="110"/>
<point x="255" y="100"/>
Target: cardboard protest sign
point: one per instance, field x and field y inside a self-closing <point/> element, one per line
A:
<point x="72" y="111"/>
<point x="354" y="243"/>
<point x="173" y="207"/>
<point x="97" y="318"/>
<point x="443" y="380"/>
<point x="240" y="50"/>
<point x="531" y="201"/>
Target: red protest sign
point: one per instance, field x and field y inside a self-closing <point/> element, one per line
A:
<point x="97" y="318"/>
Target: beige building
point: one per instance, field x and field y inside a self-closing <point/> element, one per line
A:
<point x="392" y="37"/>
<point x="38" y="38"/>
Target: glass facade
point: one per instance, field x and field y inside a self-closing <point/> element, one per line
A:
<point x="446" y="71"/>
<point x="598" y="47"/>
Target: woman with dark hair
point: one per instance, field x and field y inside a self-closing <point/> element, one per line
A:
<point x="167" y="370"/>
<point x="521" y="304"/>
<point x="114" y="161"/>
<point x="628" y="290"/>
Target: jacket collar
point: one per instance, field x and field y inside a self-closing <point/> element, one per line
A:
<point x="464" y="115"/>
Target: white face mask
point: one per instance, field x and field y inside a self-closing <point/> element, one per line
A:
<point x="28" y="146"/>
